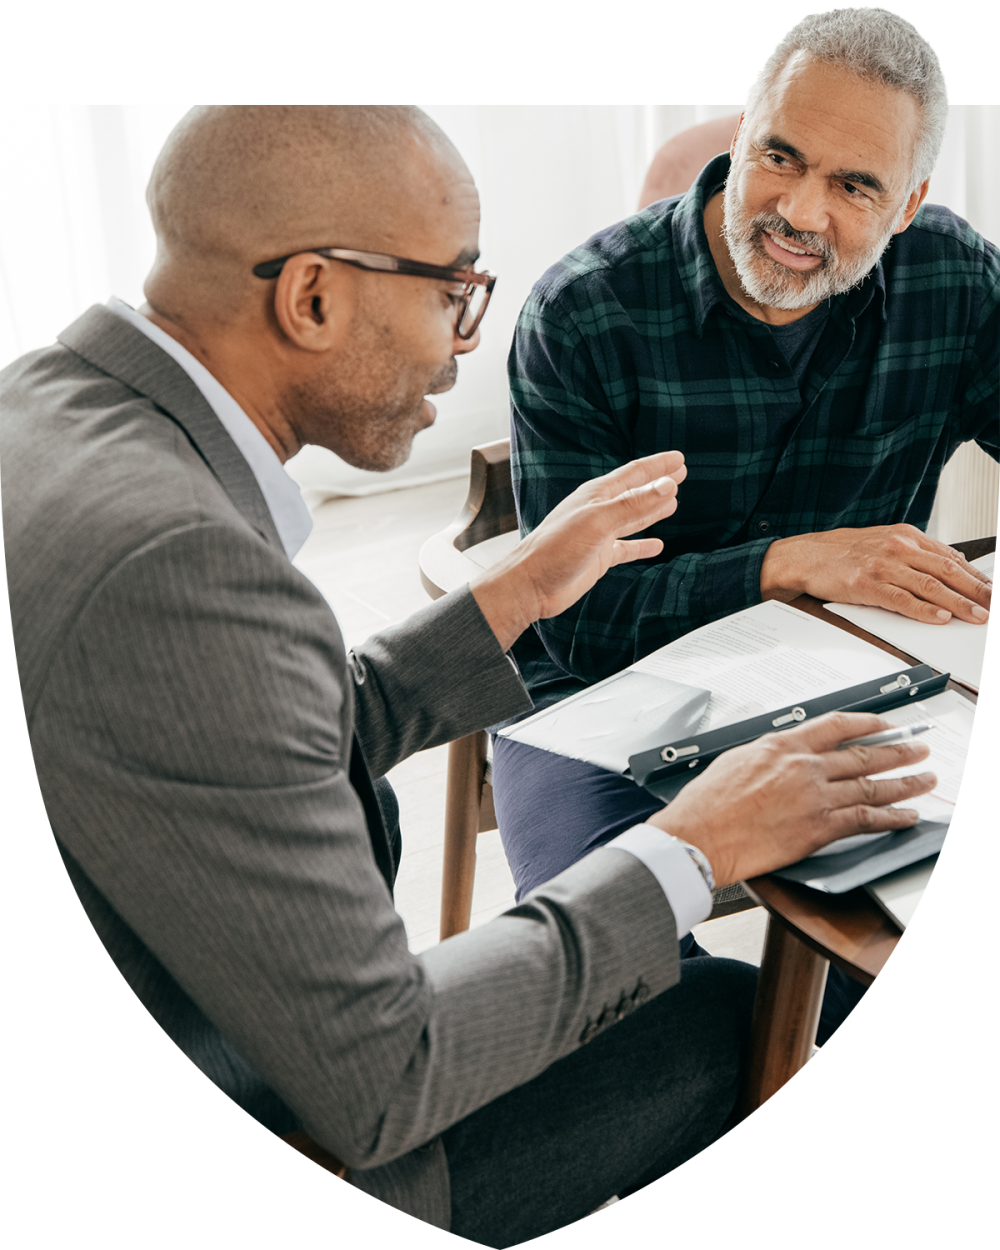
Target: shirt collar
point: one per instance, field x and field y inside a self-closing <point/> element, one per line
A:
<point x="699" y="276"/>
<point x="281" y="494"/>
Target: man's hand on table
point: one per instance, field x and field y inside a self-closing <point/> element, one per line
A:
<point x="578" y="542"/>
<point x="770" y="803"/>
<point x="886" y="566"/>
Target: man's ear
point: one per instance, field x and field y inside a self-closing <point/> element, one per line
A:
<point x="314" y="301"/>
<point x="912" y="204"/>
<point x="732" y="146"/>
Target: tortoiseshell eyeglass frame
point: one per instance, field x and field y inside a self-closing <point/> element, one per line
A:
<point x="381" y="262"/>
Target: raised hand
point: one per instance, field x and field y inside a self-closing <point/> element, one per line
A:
<point x="886" y="566"/>
<point x="578" y="542"/>
<point x="773" y="801"/>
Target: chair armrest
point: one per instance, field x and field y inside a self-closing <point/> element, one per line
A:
<point x="488" y="511"/>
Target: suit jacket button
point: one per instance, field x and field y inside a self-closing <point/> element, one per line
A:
<point x="625" y="1005"/>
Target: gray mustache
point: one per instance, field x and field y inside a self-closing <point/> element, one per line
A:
<point x="803" y="238"/>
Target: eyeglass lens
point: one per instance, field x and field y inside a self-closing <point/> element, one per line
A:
<point x="473" y="310"/>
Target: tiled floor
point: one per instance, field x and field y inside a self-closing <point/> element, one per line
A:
<point x="362" y="555"/>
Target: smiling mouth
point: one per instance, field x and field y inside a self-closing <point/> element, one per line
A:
<point x="790" y="254"/>
<point x="797" y="251"/>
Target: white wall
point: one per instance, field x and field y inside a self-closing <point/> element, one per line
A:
<point x="74" y="228"/>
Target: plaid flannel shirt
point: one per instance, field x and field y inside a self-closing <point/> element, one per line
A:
<point x="630" y="345"/>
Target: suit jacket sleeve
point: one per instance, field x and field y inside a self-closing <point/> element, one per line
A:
<point x="437" y="676"/>
<point x="192" y="741"/>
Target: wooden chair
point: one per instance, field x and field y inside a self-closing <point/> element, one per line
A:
<point x="483" y="532"/>
<point x="681" y="159"/>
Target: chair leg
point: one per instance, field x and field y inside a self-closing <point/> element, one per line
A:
<point x="466" y="767"/>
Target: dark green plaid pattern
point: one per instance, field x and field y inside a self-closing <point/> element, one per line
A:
<point x="630" y="345"/>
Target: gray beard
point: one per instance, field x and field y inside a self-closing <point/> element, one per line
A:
<point x="771" y="284"/>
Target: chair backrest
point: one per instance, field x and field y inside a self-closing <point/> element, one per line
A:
<point x="447" y="559"/>
<point x="682" y="158"/>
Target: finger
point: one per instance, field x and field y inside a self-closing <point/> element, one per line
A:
<point x="873" y="792"/>
<point x="924" y="598"/>
<point x="862" y="818"/>
<point x="960" y="577"/>
<point x="970" y="568"/>
<point x="865" y="761"/>
<point x="825" y="733"/>
<point x="627" y="550"/>
<point x="952" y="553"/>
<point x="636" y="509"/>
<point x="651" y="478"/>
<point x="910" y="571"/>
<point x="639" y="472"/>
<point x="947" y="581"/>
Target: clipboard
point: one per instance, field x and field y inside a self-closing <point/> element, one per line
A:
<point x="844" y="865"/>
<point x="664" y="770"/>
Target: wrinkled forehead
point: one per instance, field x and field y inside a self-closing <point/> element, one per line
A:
<point x="837" y="119"/>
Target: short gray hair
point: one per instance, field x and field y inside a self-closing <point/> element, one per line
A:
<point x="878" y="46"/>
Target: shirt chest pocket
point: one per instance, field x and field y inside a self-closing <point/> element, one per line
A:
<point x="874" y="473"/>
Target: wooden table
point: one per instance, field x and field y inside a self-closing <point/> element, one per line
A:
<point x="808" y="930"/>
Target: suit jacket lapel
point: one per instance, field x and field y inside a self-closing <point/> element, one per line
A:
<point x="112" y="345"/>
<point x="109" y="343"/>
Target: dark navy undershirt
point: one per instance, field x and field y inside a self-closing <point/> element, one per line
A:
<point x="797" y="340"/>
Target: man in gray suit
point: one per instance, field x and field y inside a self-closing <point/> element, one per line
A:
<point x="206" y="749"/>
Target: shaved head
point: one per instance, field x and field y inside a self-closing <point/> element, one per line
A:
<point x="323" y="352"/>
<point x="237" y="185"/>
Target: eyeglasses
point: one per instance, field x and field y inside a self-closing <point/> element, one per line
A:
<point x="471" y="302"/>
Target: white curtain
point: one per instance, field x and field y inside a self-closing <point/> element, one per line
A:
<point x="74" y="229"/>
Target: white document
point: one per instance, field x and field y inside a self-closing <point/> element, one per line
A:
<point x="766" y="657"/>
<point x="752" y="662"/>
<point x="617" y="717"/>
<point x="958" y="647"/>
<point x="899" y="893"/>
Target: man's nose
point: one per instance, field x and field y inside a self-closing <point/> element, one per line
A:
<point x="804" y="206"/>
<point x="466" y="345"/>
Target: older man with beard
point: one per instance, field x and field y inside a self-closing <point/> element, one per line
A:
<point x="815" y="341"/>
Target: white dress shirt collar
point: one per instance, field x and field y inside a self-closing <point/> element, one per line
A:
<point x="281" y="494"/>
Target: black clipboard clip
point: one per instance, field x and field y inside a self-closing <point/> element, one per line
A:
<point x="871" y="696"/>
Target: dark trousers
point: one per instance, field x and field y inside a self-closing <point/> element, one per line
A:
<point x="626" y="1108"/>
<point x="629" y="1106"/>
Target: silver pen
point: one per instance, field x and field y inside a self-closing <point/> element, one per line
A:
<point x="887" y="737"/>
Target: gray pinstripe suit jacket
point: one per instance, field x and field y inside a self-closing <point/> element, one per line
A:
<point x="192" y="712"/>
